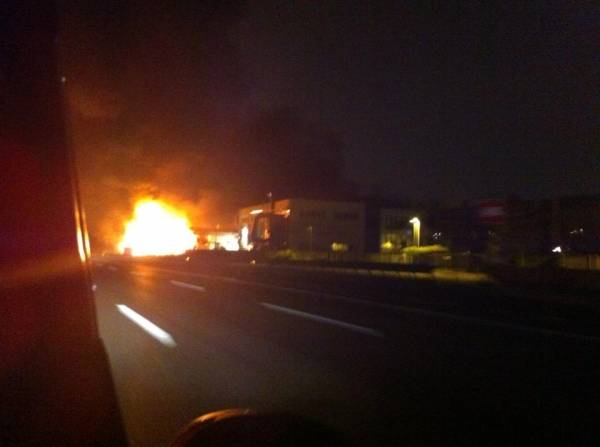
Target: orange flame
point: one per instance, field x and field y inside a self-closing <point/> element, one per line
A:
<point x="157" y="229"/>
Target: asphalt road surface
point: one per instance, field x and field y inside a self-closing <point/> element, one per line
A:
<point x="382" y="361"/>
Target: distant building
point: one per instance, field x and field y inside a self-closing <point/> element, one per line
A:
<point x="395" y="230"/>
<point x="462" y="227"/>
<point x="576" y="223"/>
<point x="503" y="229"/>
<point x="388" y="228"/>
<point x="539" y="226"/>
<point x="516" y="227"/>
<point x="527" y="228"/>
<point x="315" y="225"/>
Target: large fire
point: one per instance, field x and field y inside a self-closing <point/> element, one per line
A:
<point x="157" y="229"/>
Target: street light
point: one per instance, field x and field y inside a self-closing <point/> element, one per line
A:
<point x="416" y="223"/>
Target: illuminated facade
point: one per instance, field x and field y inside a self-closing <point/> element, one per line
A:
<point x="315" y="225"/>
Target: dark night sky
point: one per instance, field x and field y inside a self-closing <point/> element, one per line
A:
<point x="463" y="101"/>
<point x="217" y="103"/>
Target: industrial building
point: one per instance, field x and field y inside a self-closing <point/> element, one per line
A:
<point x="313" y="225"/>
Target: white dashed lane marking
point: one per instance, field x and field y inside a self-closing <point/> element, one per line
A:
<point x="153" y="330"/>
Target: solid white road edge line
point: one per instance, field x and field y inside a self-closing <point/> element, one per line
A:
<point x="186" y="285"/>
<point x="152" y="329"/>
<point x="320" y="319"/>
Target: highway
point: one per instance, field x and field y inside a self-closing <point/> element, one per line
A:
<point x="382" y="361"/>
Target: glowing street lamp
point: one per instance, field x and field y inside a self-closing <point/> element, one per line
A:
<point x="416" y="223"/>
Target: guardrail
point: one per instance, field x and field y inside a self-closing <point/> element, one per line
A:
<point x="565" y="271"/>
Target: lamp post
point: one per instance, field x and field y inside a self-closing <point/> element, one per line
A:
<point x="416" y="223"/>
